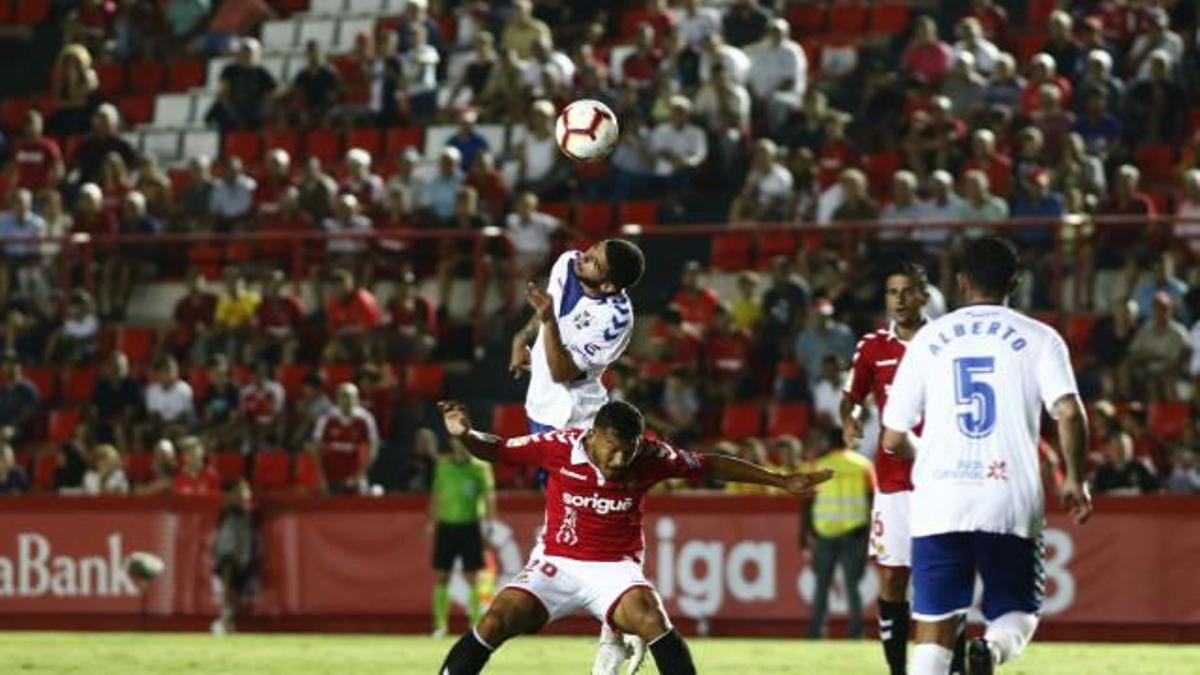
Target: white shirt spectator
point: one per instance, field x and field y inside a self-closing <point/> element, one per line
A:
<point x="774" y="187"/>
<point x="693" y="28"/>
<point x="116" y="482"/>
<point x="233" y="200"/>
<point x="356" y="223"/>
<point x="708" y="105"/>
<point x="419" y="66"/>
<point x="985" y="52"/>
<point x="688" y="142"/>
<point x="530" y="236"/>
<point x="827" y="399"/>
<point x="17" y="232"/>
<point x="1194" y="366"/>
<point x="772" y="65"/>
<point x="371" y="187"/>
<point x="736" y="63"/>
<point x="172" y="403"/>
<point x="540" y="155"/>
<point x="1171" y="45"/>
<point x="557" y="71"/>
<point x="85" y="327"/>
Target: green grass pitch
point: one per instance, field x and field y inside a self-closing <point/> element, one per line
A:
<point x="189" y="654"/>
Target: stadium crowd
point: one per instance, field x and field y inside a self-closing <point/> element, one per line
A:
<point x="889" y="127"/>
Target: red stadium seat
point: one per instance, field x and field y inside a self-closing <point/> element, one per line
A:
<point x="787" y="419"/>
<point x="850" y="19"/>
<point x="806" y="19"/>
<point x="245" y="145"/>
<point x="307" y="472"/>
<point x="6" y="12"/>
<point x="32" y="12"/>
<point x="282" y="139"/>
<point x="230" y="465"/>
<point x="773" y="245"/>
<point x="424" y="380"/>
<point x="1156" y="161"/>
<point x="594" y="219"/>
<point x="740" y="420"/>
<point x="139" y="467"/>
<point x="508" y="420"/>
<point x="730" y="252"/>
<point x="136" y="341"/>
<point x="60" y="424"/>
<point x="880" y="167"/>
<point x="198" y="379"/>
<point x="14" y="111"/>
<point x="137" y="108"/>
<point x="325" y="145"/>
<point x="291" y="376"/>
<point x="367" y="138"/>
<point x="1029" y="44"/>
<point x="629" y="21"/>
<point x="1079" y="330"/>
<point x="560" y="210"/>
<point x="337" y="373"/>
<point x="395" y="140"/>
<point x="112" y="77"/>
<point x="46" y="381"/>
<point x="637" y="213"/>
<point x="1039" y="11"/>
<point x="271" y="470"/>
<point x="44" y="467"/>
<point x="79" y="384"/>
<point x="889" y="17"/>
<point x="186" y="74"/>
<point x="147" y="76"/>
<point x="1169" y="420"/>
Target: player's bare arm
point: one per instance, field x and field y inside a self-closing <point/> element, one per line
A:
<point x="734" y="470"/>
<point x="562" y="366"/>
<point x="458" y="424"/>
<point x="518" y="363"/>
<point x="1073" y="436"/>
<point x="852" y="420"/>
<point x="897" y="443"/>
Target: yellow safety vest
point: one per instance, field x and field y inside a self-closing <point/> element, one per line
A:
<point x="843" y="503"/>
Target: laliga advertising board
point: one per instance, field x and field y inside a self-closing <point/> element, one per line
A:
<point x="730" y="563"/>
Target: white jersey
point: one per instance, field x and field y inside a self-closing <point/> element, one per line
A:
<point x="979" y="377"/>
<point x="595" y="331"/>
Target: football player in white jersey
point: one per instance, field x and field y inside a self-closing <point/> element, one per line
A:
<point x="581" y="324"/>
<point x="979" y="377"/>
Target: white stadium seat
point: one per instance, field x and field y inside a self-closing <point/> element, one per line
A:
<point x="172" y="110"/>
<point x="196" y="143"/>
<point x="279" y="34"/>
<point x="277" y="67"/>
<point x="326" y="7"/>
<point x="517" y="134"/>
<point x="215" y="66"/>
<point x="320" y="30"/>
<point x="494" y="135"/>
<point x="162" y="144"/>
<point x="372" y="7"/>
<point x="202" y="101"/>
<point x="615" y="60"/>
<point x="436" y="137"/>
<point x="347" y="29"/>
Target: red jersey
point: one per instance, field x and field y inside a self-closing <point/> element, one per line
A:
<point x="35" y="159"/>
<point x="588" y="518"/>
<point x="207" y="482"/>
<point x="343" y="441"/>
<point x="262" y="403"/>
<point x="875" y="362"/>
<point x="268" y="194"/>
<point x="697" y="308"/>
<point x="360" y="312"/>
<point x="280" y="315"/>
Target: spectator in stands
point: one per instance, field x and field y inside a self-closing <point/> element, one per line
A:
<point x="1155" y="104"/>
<point x="778" y="73"/>
<point x="503" y="96"/>
<point x="680" y="147"/>
<point x="523" y="29"/>
<point x="246" y="90"/>
<point x="410" y="333"/>
<point x="541" y="169"/>
<point x="312" y="404"/>
<point x="679" y="407"/>
<point x="1098" y="80"/>
<point x="261" y="407"/>
<point x="106" y="477"/>
<point x="1039" y="202"/>
<point x="1162" y="279"/>
<point x="979" y="205"/>
<point x="905" y="206"/>
<point x="234" y="317"/>
<point x="117" y="183"/>
<point x="231" y="20"/>
<point x="348" y="443"/>
<point x="714" y="51"/>
<point x="728" y="356"/>
<point x="823" y="336"/>
<point x="455" y="255"/>
<point x="640" y="69"/>
<point x="351" y="315"/>
<point x="130" y="258"/>
<point x="1120" y="473"/>
<point x="467" y="140"/>
<point x="73" y="88"/>
<point x="927" y="58"/>
<point x="1061" y="44"/>
<point x="1005" y="85"/>
<point x="1030" y="156"/>
<point x="153" y="182"/>
<point x="22" y="262"/>
<point x="696" y="21"/>
<point x="972" y="40"/>
<point x="1101" y="130"/>
<point x="1159" y="351"/>
<point x="723" y="106"/>
<point x="487" y="180"/>
<point x="278" y="320"/>
<point x="964" y="88"/>
<point x="316" y="89"/>
<point x="746" y="309"/>
<point x="117" y="401"/>
<point x="163" y="467"/>
<point x="695" y="301"/>
<point x="318" y="190"/>
<point x="1186" y="230"/>
<point x="19" y="399"/>
<point x="1156" y="36"/>
<point x="195" y="477"/>
<point x="76" y="339"/>
<point x="184" y="18"/>
<point x="348" y="219"/>
<point x="745" y="23"/>
<point x="12" y="477"/>
<point x="35" y="159"/>
<point x="784" y="305"/>
<point x="439" y="195"/>
<point x="827" y="392"/>
<point x="235" y="555"/>
<point x="1044" y="71"/>
<point x="232" y="197"/>
<point x="994" y="19"/>
<point x="275" y="181"/>
<point x="1116" y="242"/>
<point x="405" y="181"/>
<point x="367" y="187"/>
<point x="468" y="87"/>
<point x="418" y="70"/>
<point x="169" y="402"/>
<point x="195" y="199"/>
<point x="218" y="406"/>
<point x="857" y="205"/>
<point x="529" y="232"/>
<point x="1185" y="473"/>
<point x="633" y="160"/>
<point x="187" y="336"/>
<point x="766" y="195"/>
<point x="92" y="152"/>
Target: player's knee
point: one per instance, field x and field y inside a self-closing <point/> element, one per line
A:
<point x="893" y="583"/>
<point x="510" y="616"/>
<point x="640" y="613"/>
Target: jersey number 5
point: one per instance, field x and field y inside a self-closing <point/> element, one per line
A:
<point x="979" y="419"/>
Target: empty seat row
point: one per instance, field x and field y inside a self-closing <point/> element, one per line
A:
<point x="333" y="35"/>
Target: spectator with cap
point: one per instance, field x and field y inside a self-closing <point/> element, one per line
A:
<point x="679" y="146"/>
<point x="745" y="23"/>
<point x="439" y="194"/>
<point x="231" y="20"/>
<point x="90" y="155"/>
<point x="316" y="89"/>
<point x="232" y="200"/>
<point x="926" y="58"/>
<point x="1159" y="352"/>
<point x="541" y="169"/>
<point x="767" y="193"/>
<point x="35" y="159"/>
<point x="523" y="29"/>
<point x="246" y="90"/>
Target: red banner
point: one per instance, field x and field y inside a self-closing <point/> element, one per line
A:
<point x="732" y="561"/>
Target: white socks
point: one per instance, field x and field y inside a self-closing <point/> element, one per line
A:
<point x="1009" y="634"/>
<point x="930" y="659"/>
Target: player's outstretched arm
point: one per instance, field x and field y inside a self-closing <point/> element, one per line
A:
<point x="558" y="358"/>
<point x="458" y="424"/>
<point x="734" y="470"/>
<point x="1073" y="435"/>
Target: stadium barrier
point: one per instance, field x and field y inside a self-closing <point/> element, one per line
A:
<point x="725" y="565"/>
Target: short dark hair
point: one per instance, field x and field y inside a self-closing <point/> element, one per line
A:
<point x="991" y="264"/>
<point x="910" y="269"/>
<point x="622" y="419"/>
<point x="626" y="264"/>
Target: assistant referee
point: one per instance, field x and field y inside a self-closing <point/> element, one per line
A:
<point x="463" y="497"/>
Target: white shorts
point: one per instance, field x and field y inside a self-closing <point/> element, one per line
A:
<point x="564" y="585"/>
<point x="891" y="538"/>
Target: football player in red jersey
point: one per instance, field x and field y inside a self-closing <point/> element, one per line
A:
<point x="875" y="362"/>
<point x="592" y="543"/>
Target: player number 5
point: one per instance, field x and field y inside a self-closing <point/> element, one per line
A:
<point x="979" y="419"/>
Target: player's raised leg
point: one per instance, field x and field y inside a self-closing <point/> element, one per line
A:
<point x="512" y="613"/>
<point x="1013" y="585"/>
<point x="640" y="612"/>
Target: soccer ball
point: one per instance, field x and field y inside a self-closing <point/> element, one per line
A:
<point x="144" y="566"/>
<point x="586" y="130"/>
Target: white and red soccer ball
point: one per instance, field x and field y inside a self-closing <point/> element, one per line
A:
<point x="586" y="130"/>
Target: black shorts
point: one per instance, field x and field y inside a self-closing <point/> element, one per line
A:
<point x="452" y="542"/>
